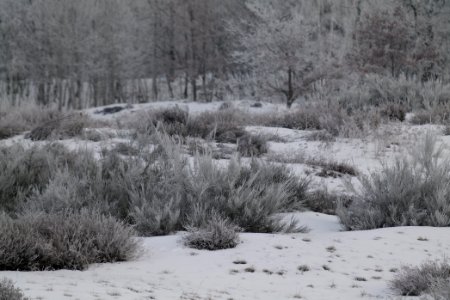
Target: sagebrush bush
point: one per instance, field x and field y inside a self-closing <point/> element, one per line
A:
<point x="439" y="114"/>
<point x="323" y="201"/>
<point x="157" y="190"/>
<point x="410" y="192"/>
<point x="415" y="281"/>
<point x="63" y="127"/>
<point x="9" y="292"/>
<point x="43" y="241"/>
<point x="393" y="111"/>
<point x="252" y="145"/>
<point x="440" y="290"/>
<point x="217" y="234"/>
<point x="26" y="170"/>
<point x="224" y="126"/>
<point x="325" y="116"/>
<point x="16" y="120"/>
<point x="181" y="194"/>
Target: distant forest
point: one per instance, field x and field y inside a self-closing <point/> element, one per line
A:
<point x="83" y="53"/>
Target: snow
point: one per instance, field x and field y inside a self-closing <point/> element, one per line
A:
<point x="168" y="270"/>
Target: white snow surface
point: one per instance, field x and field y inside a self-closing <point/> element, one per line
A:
<point x="168" y="270"/>
<point x="360" y="263"/>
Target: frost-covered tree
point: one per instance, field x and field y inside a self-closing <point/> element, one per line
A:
<point x="383" y="43"/>
<point x="281" y="49"/>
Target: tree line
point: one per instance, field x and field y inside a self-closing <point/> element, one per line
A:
<point x="83" y="53"/>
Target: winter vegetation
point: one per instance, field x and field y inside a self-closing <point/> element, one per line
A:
<point x="9" y="292"/>
<point x="208" y="149"/>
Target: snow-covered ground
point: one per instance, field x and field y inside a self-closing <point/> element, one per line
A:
<point x="342" y="265"/>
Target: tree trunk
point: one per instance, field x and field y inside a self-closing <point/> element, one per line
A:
<point x="194" y="89"/>
<point x="169" y="86"/>
<point x="186" y="86"/>
<point x="155" y="87"/>
<point x="290" y="92"/>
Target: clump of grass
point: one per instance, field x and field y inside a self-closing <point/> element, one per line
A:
<point x="415" y="281"/>
<point x="303" y="268"/>
<point x="331" y="249"/>
<point x="360" y="278"/>
<point x="217" y="234"/>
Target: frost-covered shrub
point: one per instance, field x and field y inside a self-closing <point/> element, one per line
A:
<point x="103" y="185"/>
<point x="415" y="281"/>
<point x="434" y="115"/>
<point x="16" y="120"/>
<point x="180" y="194"/>
<point x="252" y="145"/>
<point x="300" y="119"/>
<point x="157" y="191"/>
<point x="63" y="127"/>
<point x="9" y="292"/>
<point x="325" y="202"/>
<point x="440" y="290"/>
<point x="410" y="192"/>
<point x="224" y="126"/>
<point x="393" y="111"/>
<point x="27" y="170"/>
<point x="63" y="241"/>
<point x="171" y="121"/>
<point x="217" y="234"/>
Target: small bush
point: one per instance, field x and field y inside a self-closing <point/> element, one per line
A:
<point x="394" y="111"/>
<point x="226" y="105"/>
<point x="415" y="281"/>
<point x="329" y="117"/>
<point x="9" y="292"/>
<point x="65" y="127"/>
<point x="63" y="241"/>
<point x="217" y="234"/>
<point x="257" y="105"/>
<point x="252" y="145"/>
<point x="440" y="290"/>
<point x="126" y="149"/>
<point x="223" y="126"/>
<point x="324" y="202"/>
<point x="333" y="167"/>
<point x="301" y="119"/>
<point x="16" y="120"/>
<point x="321" y="136"/>
<point x="27" y="170"/>
<point x="408" y="193"/>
